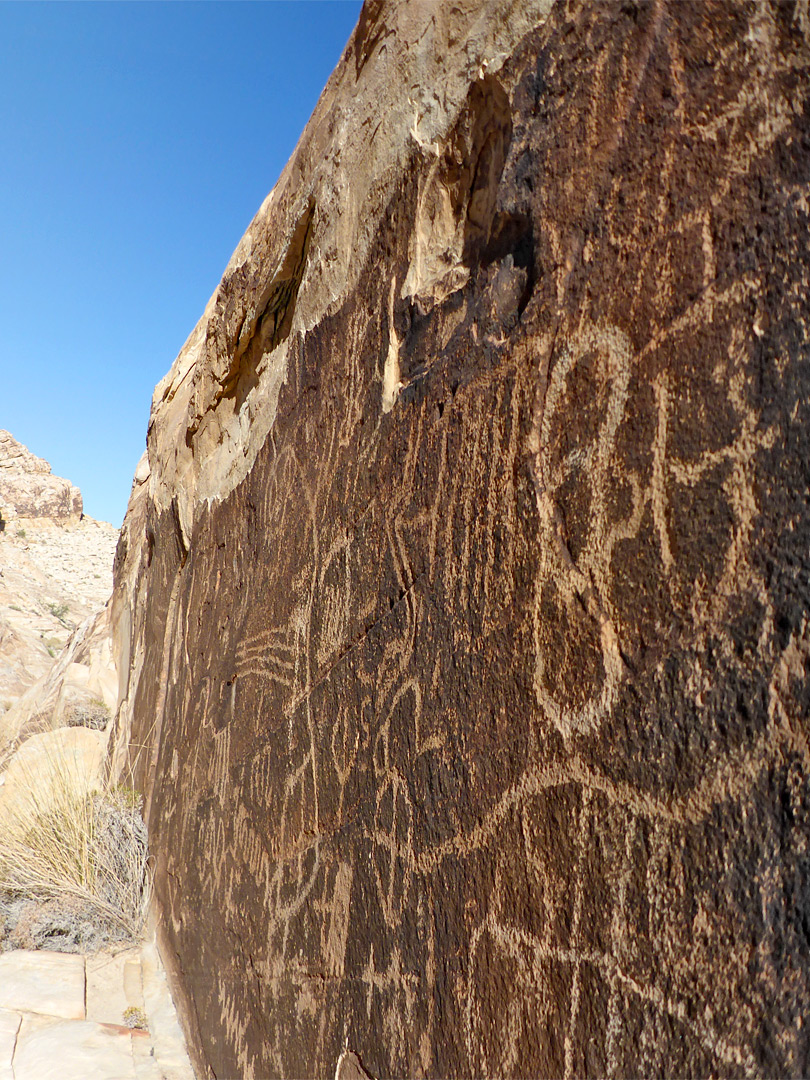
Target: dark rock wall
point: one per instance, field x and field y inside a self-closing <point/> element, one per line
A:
<point x="481" y="740"/>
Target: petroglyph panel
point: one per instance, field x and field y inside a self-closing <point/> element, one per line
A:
<point x="475" y="716"/>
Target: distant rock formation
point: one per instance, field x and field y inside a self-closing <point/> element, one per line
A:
<point x="58" y="693"/>
<point x="28" y="489"/>
<point x="51" y="581"/>
<point x="462" y="608"/>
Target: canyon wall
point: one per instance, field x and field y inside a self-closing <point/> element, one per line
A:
<point x="461" y="605"/>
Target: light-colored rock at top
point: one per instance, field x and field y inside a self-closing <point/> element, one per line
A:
<point x="16" y="458"/>
<point x="28" y="489"/>
<point x="53" y="578"/>
<point x="81" y="679"/>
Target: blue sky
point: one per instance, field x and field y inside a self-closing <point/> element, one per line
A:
<point x="137" y="141"/>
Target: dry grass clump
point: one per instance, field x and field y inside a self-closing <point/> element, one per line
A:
<point x="73" y="867"/>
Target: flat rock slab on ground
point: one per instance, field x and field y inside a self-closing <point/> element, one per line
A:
<point x="113" y="985"/>
<point x="53" y="1049"/>
<point x="9" y="1027"/>
<point x="64" y="1017"/>
<point x="38" y="982"/>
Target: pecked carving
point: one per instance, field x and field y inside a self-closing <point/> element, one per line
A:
<point x="587" y="502"/>
<point x="473" y="705"/>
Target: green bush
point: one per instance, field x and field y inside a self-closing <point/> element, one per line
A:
<point x="59" y="611"/>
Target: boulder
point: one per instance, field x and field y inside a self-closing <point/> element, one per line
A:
<point x="49" y="769"/>
<point x="461" y="611"/>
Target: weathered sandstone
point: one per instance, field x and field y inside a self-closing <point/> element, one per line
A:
<point x="51" y="766"/>
<point x="461" y="607"/>
<point x="52" y="579"/>
<point x="81" y="679"/>
<point x="29" y="490"/>
<point x="56" y="663"/>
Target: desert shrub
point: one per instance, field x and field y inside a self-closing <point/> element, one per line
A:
<point x="59" y="611"/>
<point x="94" y="715"/>
<point x="120" y="854"/>
<point x="73" y="870"/>
<point x="136" y="1018"/>
<point x="127" y="796"/>
<point x="66" y="924"/>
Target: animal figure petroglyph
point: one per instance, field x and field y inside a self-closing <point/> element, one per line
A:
<point x="482" y="695"/>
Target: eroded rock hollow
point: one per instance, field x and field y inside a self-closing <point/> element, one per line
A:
<point x="462" y="601"/>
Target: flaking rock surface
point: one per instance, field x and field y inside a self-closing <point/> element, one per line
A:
<point x="462" y="602"/>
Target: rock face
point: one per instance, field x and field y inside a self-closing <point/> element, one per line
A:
<point x="462" y="605"/>
<point x="79" y="686"/>
<point x="51" y="581"/>
<point x="55" y="579"/>
<point x="29" y="490"/>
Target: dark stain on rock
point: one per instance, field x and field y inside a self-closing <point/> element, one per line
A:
<point x="492" y="727"/>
